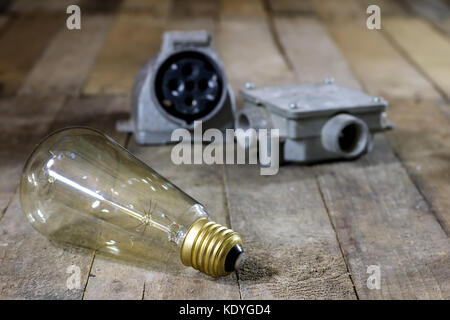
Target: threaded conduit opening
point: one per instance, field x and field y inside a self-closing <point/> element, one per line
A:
<point x="349" y="137"/>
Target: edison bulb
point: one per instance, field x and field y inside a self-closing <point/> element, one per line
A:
<point x="81" y="187"/>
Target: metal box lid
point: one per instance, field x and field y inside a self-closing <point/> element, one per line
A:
<point x="311" y="100"/>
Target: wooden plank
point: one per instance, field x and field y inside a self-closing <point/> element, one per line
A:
<point x="24" y="121"/>
<point x="330" y="10"/>
<point x="369" y="54"/>
<point x="25" y="254"/>
<point x="294" y="34"/>
<point x="387" y="7"/>
<point x="421" y="135"/>
<point x="158" y="8"/>
<point x="114" y="280"/>
<point x="431" y="57"/>
<point x="292" y="252"/>
<point x="32" y="267"/>
<point x="116" y="286"/>
<point x="3" y="20"/>
<point x="380" y="216"/>
<point x="64" y="66"/>
<point x="22" y="43"/>
<point x="291" y="7"/>
<point x="29" y="6"/>
<point x="19" y="243"/>
<point x="383" y="220"/>
<point x="131" y="42"/>
<point x="436" y="11"/>
<point x="161" y="279"/>
<point x="204" y="183"/>
<point x="291" y="246"/>
<point x="248" y="8"/>
<point x="195" y="8"/>
<point x="356" y="10"/>
<point x="100" y="6"/>
<point x="421" y="141"/>
<point x="102" y="112"/>
<point x="252" y="50"/>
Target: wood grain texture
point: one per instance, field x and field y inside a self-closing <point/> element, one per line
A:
<point x="376" y="193"/>
<point x="113" y="279"/>
<point x="387" y="7"/>
<point x="250" y="56"/>
<point x="100" y="6"/>
<point x="65" y="64"/>
<point x="133" y="39"/>
<point x="436" y="11"/>
<point x="204" y="183"/>
<point x="104" y="281"/>
<point x="424" y="148"/>
<point x="25" y="254"/>
<point x="310" y="231"/>
<point x="160" y="280"/>
<point x="99" y="112"/>
<point x="294" y="33"/>
<point x="3" y="21"/>
<point x="32" y="267"/>
<point x="291" y="246"/>
<point x="29" y="6"/>
<point x="377" y="64"/>
<point x="291" y="7"/>
<point x="249" y="8"/>
<point x="37" y="279"/>
<point x="167" y="279"/>
<point x="22" y="43"/>
<point x="24" y="121"/>
<point x="158" y="8"/>
<point x="431" y="56"/>
<point x="195" y="8"/>
<point x="420" y="138"/>
<point x="343" y="10"/>
<point x="383" y="220"/>
<point x="407" y="222"/>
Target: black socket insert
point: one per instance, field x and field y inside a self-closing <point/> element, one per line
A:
<point x="189" y="85"/>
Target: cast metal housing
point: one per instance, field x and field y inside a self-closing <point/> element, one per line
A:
<point x="316" y="121"/>
<point x="183" y="83"/>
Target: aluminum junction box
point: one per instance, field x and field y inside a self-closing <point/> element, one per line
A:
<point x="316" y="122"/>
<point x="183" y="83"/>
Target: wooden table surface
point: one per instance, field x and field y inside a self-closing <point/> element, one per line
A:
<point x="310" y="232"/>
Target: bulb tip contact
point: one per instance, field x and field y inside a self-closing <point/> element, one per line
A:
<point x="235" y="258"/>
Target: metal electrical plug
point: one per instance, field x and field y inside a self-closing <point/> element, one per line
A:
<point x="316" y="122"/>
<point x="183" y="83"/>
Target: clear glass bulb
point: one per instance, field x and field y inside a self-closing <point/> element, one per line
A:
<point x="81" y="187"/>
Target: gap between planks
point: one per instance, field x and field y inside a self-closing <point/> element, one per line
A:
<point x="193" y="280"/>
<point x="282" y="277"/>
<point x="404" y="84"/>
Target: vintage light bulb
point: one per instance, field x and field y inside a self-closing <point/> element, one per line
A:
<point x="81" y="187"/>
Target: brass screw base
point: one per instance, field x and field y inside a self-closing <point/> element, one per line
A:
<point x="206" y="246"/>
